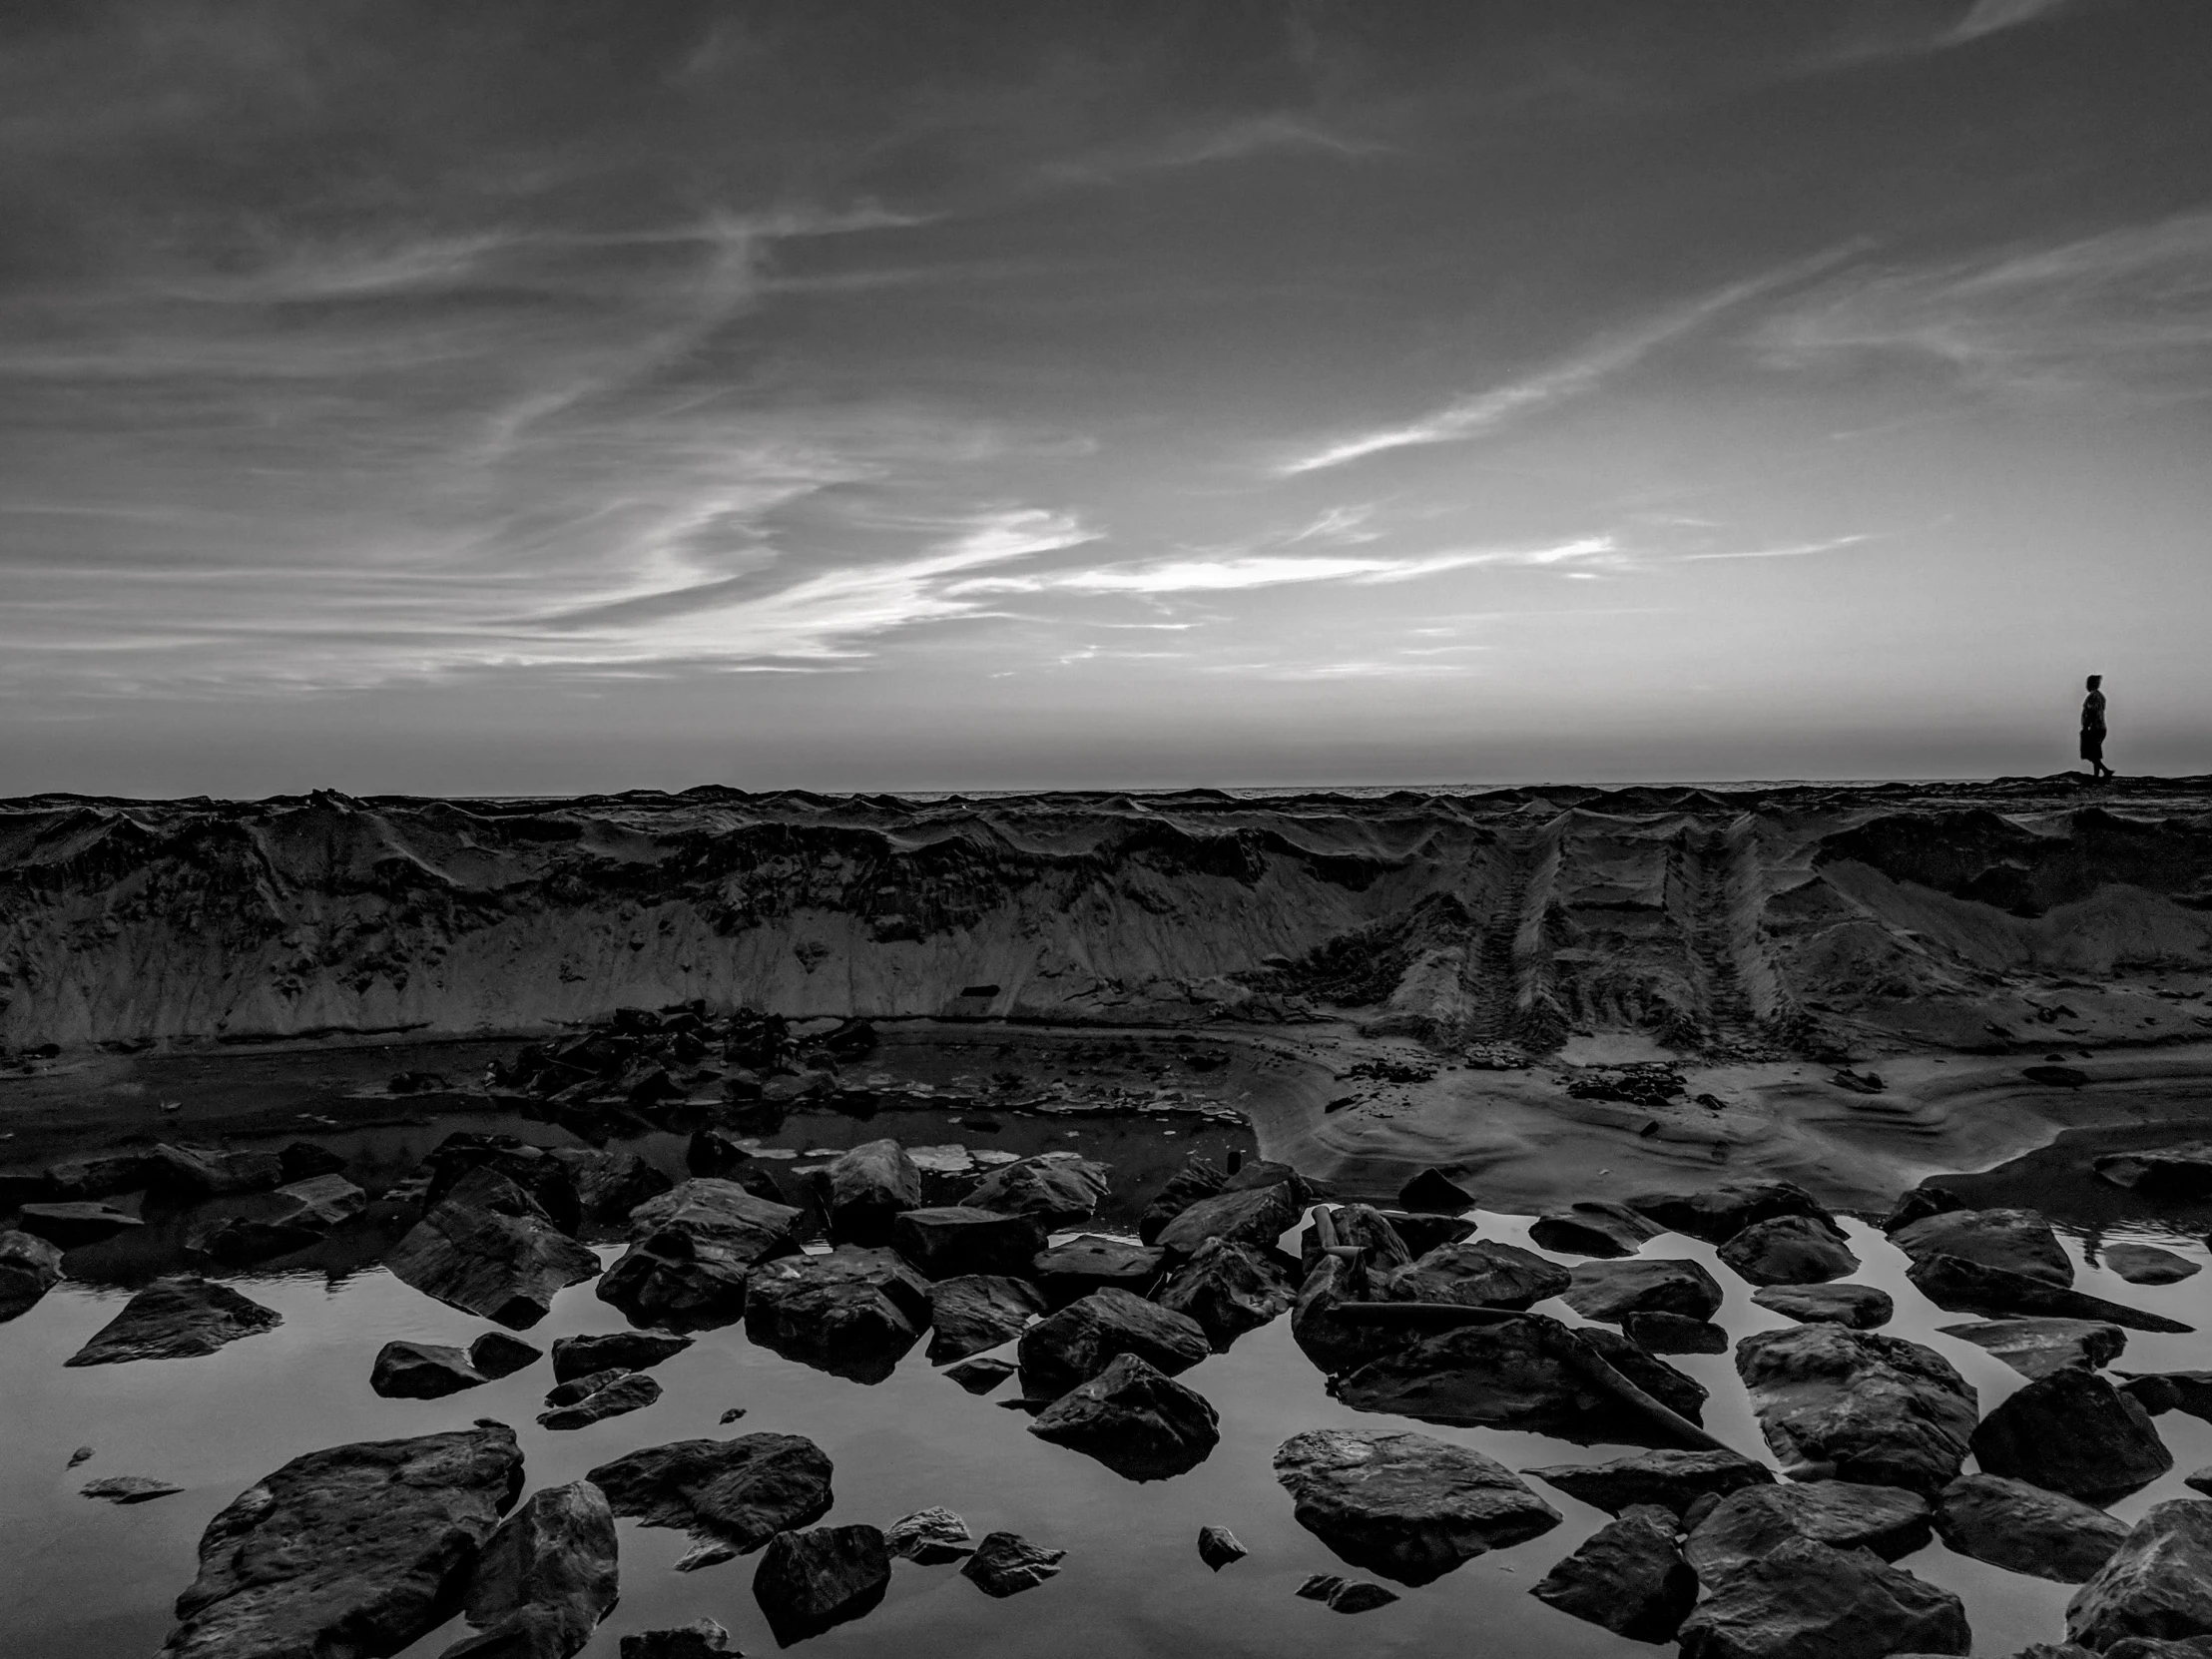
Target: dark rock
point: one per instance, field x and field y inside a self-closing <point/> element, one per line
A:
<point x="359" y="1549"/>
<point x="1081" y="1340"/>
<point x="1843" y="1514"/>
<point x="1358" y="1596"/>
<point x="1667" y="1480"/>
<point x="978" y="1310"/>
<point x="175" y="1318"/>
<point x="129" y="1488"/>
<point x="1071" y="1271"/>
<point x="1628" y="1577"/>
<point x="496" y="1355"/>
<point x="701" y="1639"/>
<point x="695" y="1245"/>
<point x="544" y="1578"/>
<point x="1673" y="1333"/>
<point x="2036" y="1347"/>
<point x="1319" y="1586"/>
<point x="304" y="1161"/>
<point x="950" y="1241"/>
<point x="1854" y="1406"/>
<point x="980" y="1375"/>
<point x="716" y="1153"/>
<point x="1422" y="1233"/>
<point x="1366" y="1228"/>
<point x="1333" y="1341"/>
<point x="487" y="1249"/>
<point x="210" y="1172"/>
<point x="575" y="1357"/>
<point x="1005" y="1564"/>
<point x="1057" y="1189"/>
<point x="2011" y="1240"/>
<point x="2072" y="1433"/>
<point x="609" y="1185"/>
<point x="929" y="1537"/>
<point x="2182" y="1172"/>
<point x="1807" y="1600"/>
<point x="1720" y="1213"/>
<point x="1859" y="1307"/>
<point x="1593" y="1229"/>
<point x="1609" y="1292"/>
<point x="1253" y="1215"/>
<point x="291" y="1218"/>
<point x="1197" y="1179"/>
<point x="534" y="1169"/>
<point x="73" y="1222"/>
<point x="2157" y="1584"/>
<point x="1479" y="1274"/>
<point x="421" y="1370"/>
<point x="2160" y="1391"/>
<point x="631" y="1391"/>
<point x="29" y="1267"/>
<point x="809" y="1582"/>
<point x="1919" y="1203"/>
<point x="101" y="1175"/>
<point x="1229" y="1287"/>
<point x="864" y="1188"/>
<point x="2148" y="1265"/>
<point x="1218" y="1547"/>
<point x="1140" y="1423"/>
<point x="1434" y="1190"/>
<point x="741" y="1491"/>
<point x="853" y="1313"/>
<point x="1405" y="1505"/>
<point x="2025" y="1528"/>
<point x="1789" y="1250"/>
<point x="582" y="1387"/>
<point x="1964" y="1286"/>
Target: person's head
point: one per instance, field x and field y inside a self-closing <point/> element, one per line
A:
<point x="2096" y="680"/>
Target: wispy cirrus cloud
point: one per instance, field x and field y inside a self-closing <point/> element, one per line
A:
<point x="1228" y="574"/>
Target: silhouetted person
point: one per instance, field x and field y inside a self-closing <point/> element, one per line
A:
<point x="2092" y="729"/>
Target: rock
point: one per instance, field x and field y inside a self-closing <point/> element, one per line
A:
<point x="1405" y="1505"/>
<point x="29" y="1267"/>
<point x="2158" y="1583"/>
<point x="1964" y="1286"/>
<point x="1140" y="1423"/>
<point x="1434" y="1190"/>
<point x="853" y="1313"/>
<point x="575" y="1357"/>
<point x="1789" y="1250"/>
<point x="731" y="1415"/>
<point x="1254" y="1215"/>
<point x="82" y="1455"/>
<point x="609" y="1185"/>
<point x="1369" y="1229"/>
<point x="2025" y="1528"/>
<point x="2183" y="1171"/>
<point x="1859" y="1307"/>
<point x="1807" y="1600"/>
<point x="304" y="1161"/>
<point x="421" y="1370"/>
<point x="2073" y="1433"/>
<point x="813" y="1581"/>
<point x="582" y="1387"/>
<point x="2160" y="1391"/>
<point x="1420" y="1233"/>
<point x="1005" y="1564"/>
<point x="360" y="1549"/>
<point x="740" y="1492"/>
<point x="2148" y="1265"/>
<point x="701" y="1639"/>
<point x="1197" y="1179"/>
<point x="950" y="1241"/>
<point x="496" y="1355"/>
<point x="101" y="1175"/>
<point x="929" y="1537"/>
<point x="2036" y="1347"/>
<point x="545" y="1578"/>
<point x="978" y="1310"/>
<point x="1218" y="1547"/>
<point x="1843" y="1514"/>
<point x="487" y="1249"/>
<point x="1667" y="1480"/>
<point x="1319" y="1586"/>
<point x="1229" y="1287"/>
<point x="1593" y="1229"/>
<point x="695" y="1245"/>
<point x="198" y="1172"/>
<point x="1853" y="1406"/>
<point x="1608" y="1292"/>
<point x="128" y="1488"/>
<point x="534" y="1169"/>
<point x="1357" y="1596"/>
<point x="1628" y="1577"/>
<point x="1057" y="1189"/>
<point x="632" y="1391"/>
<point x="180" y="1317"/>
<point x="1081" y="1340"/>
<point x="717" y="1152"/>
<point x="1919" y="1203"/>
<point x="2012" y="1240"/>
<point x="1479" y="1274"/>
<point x="1066" y="1273"/>
<point x="979" y="1375"/>
<point x="1673" y="1333"/>
<point x="1720" y="1213"/>
<point x="865" y="1188"/>
<point x="74" y="1222"/>
<point x="294" y="1216"/>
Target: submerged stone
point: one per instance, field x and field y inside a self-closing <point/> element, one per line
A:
<point x="180" y="1317"/>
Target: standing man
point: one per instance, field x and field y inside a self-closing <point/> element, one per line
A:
<point x="2092" y="729"/>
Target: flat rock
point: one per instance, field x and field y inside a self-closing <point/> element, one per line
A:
<point x="1836" y="1403"/>
<point x="929" y="1537"/>
<point x="2013" y="1241"/>
<point x="2025" y="1528"/>
<point x="575" y="1357"/>
<point x="853" y="1312"/>
<point x="1719" y="1213"/>
<point x="1667" y="1480"/>
<point x="980" y="1375"/>
<point x="211" y="1172"/>
<point x="1139" y="1423"/>
<point x="1964" y="1286"/>
<point x="2148" y="1265"/>
<point x="180" y="1317"/>
<point x="29" y="1267"/>
<point x="581" y="1388"/>
<point x="1480" y="1273"/>
<point x="1843" y="1515"/>
<point x="1808" y="1600"/>
<point x="864" y="1188"/>
<point x="1405" y="1505"/>
<point x="423" y="1371"/>
<point x="545" y="1578"/>
<point x="488" y="1250"/>
<point x="1058" y="1189"/>
<point x="978" y="1310"/>
<point x="632" y="1391"/>
<point x="360" y="1549"/>
<point x="950" y="1241"/>
<point x="1358" y="1596"/>
<point x="1069" y="1272"/>
<point x="1218" y="1547"/>
<point x="129" y="1488"/>
<point x="1608" y="1292"/>
<point x="288" y="1218"/>
<point x="1857" y="1306"/>
<point x="1627" y="1576"/>
<point x="1789" y="1250"/>
<point x="1254" y="1216"/>
<point x="98" y="1174"/>
<point x="1082" y="1339"/>
<point x="1005" y="1564"/>
<point x="2073" y="1433"/>
<point x="1673" y="1333"/>
<point x="74" y="1222"/>
<point x="2183" y="1171"/>
<point x="740" y="1492"/>
<point x="809" y="1582"/>
<point x="2158" y="1583"/>
<point x="693" y="1249"/>
<point x="1229" y="1287"/>
<point x="1591" y="1228"/>
<point x="700" y="1639"/>
<point x="2038" y="1347"/>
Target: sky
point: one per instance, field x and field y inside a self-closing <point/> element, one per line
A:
<point x="567" y="396"/>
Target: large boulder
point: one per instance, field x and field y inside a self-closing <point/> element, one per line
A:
<point x="2038" y="1347"/>
<point x="1843" y="1515"/>
<point x="978" y="1310"/>
<point x="864" y="1188"/>
<point x="2157" y="1584"/>
<point x="1854" y="1406"/>
<point x="1251" y="1214"/>
<point x="545" y="1577"/>
<point x="29" y="1267"/>
<point x="575" y="1357"/>
<point x="1668" y="1479"/>
<point x="1057" y="1189"/>
<point x="1068" y="1272"/>
<point x="1718" y="1214"/>
<point x="288" y="1218"/>
<point x="2013" y="1241"/>
<point x="1140" y="1423"/>
<point x="1405" y="1505"/>
<point x="694" y="1248"/>
<point x="740" y="1492"/>
<point x="1591" y="1228"/>
<point x="950" y="1241"/>
<point x="1808" y="1600"/>
<point x="809" y="1582"/>
<point x="1609" y="1292"/>
<point x="1962" y="1287"/>
<point x="853" y="1313"/>
<point x="1081" y="1340"/>
<point x="1789" y="1250"/>
<point x="609" y="1185"/>
<point x="2073" y="1433"/>
<point x="2025" y="1528"/>
<point x="489" y="1250"/>
<point x="178" y="1318"/>
<point x="1197" y="1179"/>
<point x="1860" y="1307"/>
<point x="1230" y="1288"/>
<point x="1628" y="1577"/>
<point x="537" y="1170"/>
<point x="1480" y="1273"/>
<point x="357" y="1549"/>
